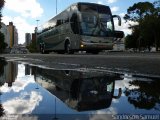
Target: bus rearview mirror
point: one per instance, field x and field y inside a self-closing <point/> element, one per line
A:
<point x="119" y="19"/>
<point x="118" y="34"/>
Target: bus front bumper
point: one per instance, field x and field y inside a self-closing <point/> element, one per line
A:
<point x="96" y="46"/>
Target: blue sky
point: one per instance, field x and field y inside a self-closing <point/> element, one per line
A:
<point x="24" y="13"/>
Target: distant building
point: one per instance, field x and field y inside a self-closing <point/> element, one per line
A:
<point x="13" y="35"/>
<point x="10" y="73"/>
<point x="35" y="34"/>
<point x="33" y="37"/>
<point x="27" y="38"/>
<point x="27" y="70"/>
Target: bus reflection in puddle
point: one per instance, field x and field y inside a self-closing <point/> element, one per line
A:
<point x="80" y="90"/>
<point x="31" y="90"/>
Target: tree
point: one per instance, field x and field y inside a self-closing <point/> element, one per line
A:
<point x="138" y="11"/>
<point x="3" y="45"/>
<point x="1" y="6"/>
<point x="32" y="47"/>
<point x="2" y="67"/>
<point x="150" y="27"/>
<point x="130" y="42"/>
<point x="147" y="15"/>
<point x="143" y="94"/>
<point x="134" y="40"/>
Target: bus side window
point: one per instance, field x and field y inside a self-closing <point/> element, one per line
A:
<point x="65" y="17"/>
<point x="74" y="8"/>
<point x="66" y="20"/>
<point x="59" y="22"/>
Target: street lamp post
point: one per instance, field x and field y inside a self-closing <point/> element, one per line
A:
<point x="37" y="24"/>
<point x="56" y="7"/>
<point x="36" y="31"/>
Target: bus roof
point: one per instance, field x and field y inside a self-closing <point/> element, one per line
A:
<point x="88" y="3"/>
<point x="82" y="3"/>
<point x="79" y="4"/>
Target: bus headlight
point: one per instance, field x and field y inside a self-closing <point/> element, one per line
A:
<point x="82" y="45"/>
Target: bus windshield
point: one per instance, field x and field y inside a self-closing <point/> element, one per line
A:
<point x="96" y="21"/>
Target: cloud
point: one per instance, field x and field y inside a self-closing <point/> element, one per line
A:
<point x="22" y="100"/>
<point x="22" y="26"/>
<point x="125" y="83"/>
<point x="111" y="1"/>
<point x="114" y="9"/>
<point x="24" y="104"/>
<point x="26" y="8"/>
<point x="106" y="1"/>
<point x="100" y="2"/>
<point x="125" y="25"/>
<point x="103" y="114"/>
<point x="19" y="117"/>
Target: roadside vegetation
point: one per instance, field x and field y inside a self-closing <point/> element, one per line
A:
<point x="32" y="47"/>
<point x="3" y="45"/>
<point x="146" y="31"/>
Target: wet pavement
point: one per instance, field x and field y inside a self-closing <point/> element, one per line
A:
<point x="123" y="62"/>
<point x="37" y="93"/>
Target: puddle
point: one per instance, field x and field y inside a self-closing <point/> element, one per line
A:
<point x="35" y="93"/>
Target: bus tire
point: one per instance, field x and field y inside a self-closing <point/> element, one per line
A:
<point x="95" y="52"/>
<point x="92" y="51"/>
<point x="61" y="52"/>
<point x="43" y="51"/>
<point x="68" y="48"/>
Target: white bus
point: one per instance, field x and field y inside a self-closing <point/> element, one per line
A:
<point x="81" y="27"/>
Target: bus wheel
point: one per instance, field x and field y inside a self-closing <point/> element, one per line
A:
<point x="68" y="48"/>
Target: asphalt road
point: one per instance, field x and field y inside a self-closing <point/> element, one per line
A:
<point x="137" y="63"/>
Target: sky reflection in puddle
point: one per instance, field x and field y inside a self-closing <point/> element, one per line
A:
<point x="29" y="90"/>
